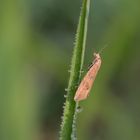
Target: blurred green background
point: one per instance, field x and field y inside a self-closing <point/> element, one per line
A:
<point x="36" y="43"/>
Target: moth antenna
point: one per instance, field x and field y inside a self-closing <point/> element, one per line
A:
<point x="100" y="51"/>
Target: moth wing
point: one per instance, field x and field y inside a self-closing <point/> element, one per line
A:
<point x="84" y="88"/>
<point x="86" y="84"/>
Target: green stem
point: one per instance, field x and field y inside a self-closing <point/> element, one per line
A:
<point x="67" y="126"/>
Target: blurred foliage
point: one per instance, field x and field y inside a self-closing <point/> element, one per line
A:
<point x="36" y="41"/>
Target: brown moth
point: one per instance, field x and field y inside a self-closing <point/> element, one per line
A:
<point x="87" y="82"/>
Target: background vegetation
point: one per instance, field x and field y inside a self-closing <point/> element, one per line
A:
<point x="36" y="42"/>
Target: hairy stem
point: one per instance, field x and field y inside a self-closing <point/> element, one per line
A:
<point x="70" y="113"/>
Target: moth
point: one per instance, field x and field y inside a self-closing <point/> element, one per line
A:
<point x="88" y="80"/>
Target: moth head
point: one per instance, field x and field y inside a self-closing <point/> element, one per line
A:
<point x="97" y="56"/>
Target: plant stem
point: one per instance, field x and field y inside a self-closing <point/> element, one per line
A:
<point x="69" y="120"/>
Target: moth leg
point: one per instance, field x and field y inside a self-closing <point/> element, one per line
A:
<point x="90" y="66"/>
